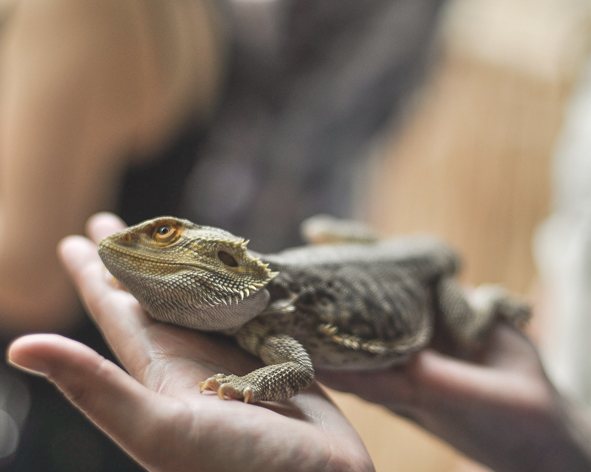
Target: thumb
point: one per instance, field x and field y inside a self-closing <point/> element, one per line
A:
<point x="114" y="401"/>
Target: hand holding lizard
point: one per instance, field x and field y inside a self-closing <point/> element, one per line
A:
<point x="498" y="408"/>
<point x="156" y="414"/>
<point x="502" y="410"/>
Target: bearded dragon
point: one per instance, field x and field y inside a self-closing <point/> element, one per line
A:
<point x="366" y="304"/>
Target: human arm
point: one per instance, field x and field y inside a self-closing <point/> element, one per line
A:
<point x="156" y="413"/>
<point x="500" y="409"/>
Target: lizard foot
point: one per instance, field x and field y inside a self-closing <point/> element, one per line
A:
<point x="496" y="298"/>
<point x="515" y="311"/>
<point x="231" y="386"/>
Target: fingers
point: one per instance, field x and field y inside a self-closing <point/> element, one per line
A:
<point x="102" y="225"/>
<point x="510" y="349"/>
<point x="110" y="306"/>
<point x="387" y="387"/>
<point x="435" y="374"/>
<point x="427" y="375"/>
<point x="116" y="312"/>
<point x="432" y="386"/>
<point x="118" y="404"/>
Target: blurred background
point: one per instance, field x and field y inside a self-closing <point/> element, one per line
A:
<point x="494" y="155"/>
<point x="469" y="119"/>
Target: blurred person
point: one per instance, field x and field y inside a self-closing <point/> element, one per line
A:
<point x="246" y="114"/>
<point x="87" y="90"/>
<point x="83" y="87"/>
<point x="499" y="409"/>
<point x="297" y="89"/>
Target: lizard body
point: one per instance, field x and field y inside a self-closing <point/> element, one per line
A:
<point x="360" y="305"/>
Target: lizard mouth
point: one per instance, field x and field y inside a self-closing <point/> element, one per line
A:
<point x="126" y="264"/>
<point x="108" y="250"/>
<point x="120" y="252"/>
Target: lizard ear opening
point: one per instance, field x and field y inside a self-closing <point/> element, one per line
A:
<point x="227" y="259"/>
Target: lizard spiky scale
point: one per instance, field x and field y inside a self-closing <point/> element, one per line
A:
<point x="348" y="306"/>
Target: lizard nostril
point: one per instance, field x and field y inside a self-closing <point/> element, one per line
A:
<point x="126" y="238"/>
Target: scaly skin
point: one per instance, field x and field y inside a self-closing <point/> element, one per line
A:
<point x="344" y="306"/>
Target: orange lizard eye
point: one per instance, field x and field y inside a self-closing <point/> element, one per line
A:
<point x="164" y="233"/>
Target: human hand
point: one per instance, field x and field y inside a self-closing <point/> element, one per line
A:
<point x="156" y="413"/>
<point x="499" y="409"/>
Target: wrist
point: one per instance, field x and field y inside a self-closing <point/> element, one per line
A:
<point x="541" y="433"/>
<point x="570" y="447"/>
<point x="545" y="439"/>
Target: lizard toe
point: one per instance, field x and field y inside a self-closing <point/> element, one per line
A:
<point x="213" y="383"/>
<point x="229" y="387"/>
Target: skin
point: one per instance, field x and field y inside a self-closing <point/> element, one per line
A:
<point x="118" y="80"/>
<point x="156" y="413"/>
<point x="498" y="408"/>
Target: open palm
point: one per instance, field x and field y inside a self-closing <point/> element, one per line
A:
<point x="156" y="413"/>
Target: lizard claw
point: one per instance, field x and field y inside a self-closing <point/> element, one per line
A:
<point x="229" y="386"/>
<point x="209" y="384"/>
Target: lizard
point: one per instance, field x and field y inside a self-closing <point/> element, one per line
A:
<point x="360" y="304"/>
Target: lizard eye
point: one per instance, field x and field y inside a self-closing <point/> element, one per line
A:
<point x="164" y="233"/>
<point x="227" y="259"/>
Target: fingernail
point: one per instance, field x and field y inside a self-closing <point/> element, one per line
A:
<point x="31" y="366"/>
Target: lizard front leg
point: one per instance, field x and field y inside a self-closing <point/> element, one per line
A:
<point x="289" y="370"/>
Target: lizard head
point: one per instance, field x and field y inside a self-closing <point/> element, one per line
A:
<point x="194" y="276"/>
